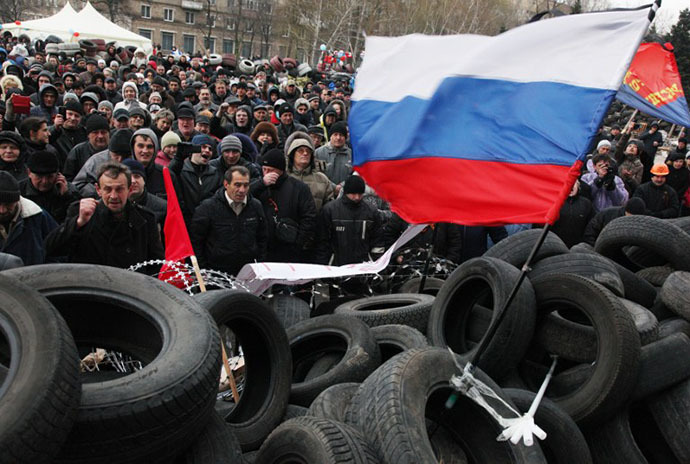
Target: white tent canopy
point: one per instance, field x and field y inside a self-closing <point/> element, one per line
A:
<point x="89" y="23"/>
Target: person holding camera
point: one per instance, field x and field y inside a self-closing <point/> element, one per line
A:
<point x="289" y="207"/>
<point x="607" y="189"/>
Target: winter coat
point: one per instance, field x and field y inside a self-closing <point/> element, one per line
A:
<point x="574" y="216"/>
<point x="474" y="240"/>
<point x="338" y="161"/>
<point x="601" y="220"/>
<point x="219" y="164"/>
<point x="17" y="169"/>
<point x="679" y="180"/>
<point x="347" y="231"/>
<point x="26" y="236"/>
<point x="194" y="184"/>
<point x="157" y="205"/>
<point x="447" y="242"/>
<point x="285" y="131"/>
<point x="661" y="202"/>
<point x="106" y="240"/>
<point x="225" y="241"/>
<point x="289" y="199"/>
<point x="77" y="158"/>
<point x="634" y="165"/>
<point x="65" y="140"/>
<point x="86" y="178"/>
<point x="322" y="189"/>
<point x="51" y="201"/>
<point x="603" y="198"/>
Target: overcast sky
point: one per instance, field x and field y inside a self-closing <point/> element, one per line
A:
<point x="668" y="13"/>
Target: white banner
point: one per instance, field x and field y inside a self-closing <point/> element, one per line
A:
<point x="259" y="277"/>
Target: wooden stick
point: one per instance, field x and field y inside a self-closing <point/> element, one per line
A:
<point x="628" y="127"/>
<point x="670" y="132"/>
<point x="226" y="363"/>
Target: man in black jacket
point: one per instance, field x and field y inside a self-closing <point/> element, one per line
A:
<point x="112" y="231"/>
<point x="289" y="208"/>
<point x="287" y="124"/>
<point x="197" y="180"/>
<point x="139" y="195"/>
<point x="98" y="137"/>
<point x="67" y="132"/>
<point x="575" y="214"/>
<point x="229" y="229"/>
<point x="661" y="200"/>
<point x="348" y="228"/>
<point x="600" y="220"/>
<point x="46" y="187"/>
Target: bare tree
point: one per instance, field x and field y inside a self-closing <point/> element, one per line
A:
<point x="13" y="10"/>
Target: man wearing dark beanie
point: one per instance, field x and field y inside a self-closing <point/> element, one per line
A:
<point x="289" y="208"/>
<point x="140" y="196"/>
<point x="348" y="228"/>
<point x="67" y="131"/>
<point x="98" y="137"/>
<point x="119" y="148"/>
<point x="24" y="226"/>
<point x="635" y="205"/>
<point x="46" y="187"/>
<point x="337" y="155"/>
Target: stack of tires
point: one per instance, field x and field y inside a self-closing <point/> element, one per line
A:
<point x="50" y="411"/>
<point x="370" y="383"/>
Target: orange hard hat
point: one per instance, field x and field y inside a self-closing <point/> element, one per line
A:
<point x="659" y="170"/>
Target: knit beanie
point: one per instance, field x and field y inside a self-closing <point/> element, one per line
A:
<point x="119" y="142"/>
<point x="202" y="139"/>
<point x="106" y="104"/>
<point x="9" y="188"/>
<point x="603" y="143"/>
<point x="74" y="105"/>
<point x="170" y="138"/>
<point x="89" y="96"/>
<point x="274" y="158"/>
<point x="135" y="166"/>
<point x="354" y="184"/>
<point x="96" y="122"/>
<point x="339" y="127"/>
<point x="635" y="205"/>
<point x="230" y="142"/>
<point x="43" y="162"/>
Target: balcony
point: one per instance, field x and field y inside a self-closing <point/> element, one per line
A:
<point x="190" y="5"/>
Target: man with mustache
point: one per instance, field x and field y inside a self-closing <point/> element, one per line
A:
<point x="112" y="231"/>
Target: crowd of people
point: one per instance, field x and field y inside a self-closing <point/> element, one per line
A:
<point x="261" y="165"/>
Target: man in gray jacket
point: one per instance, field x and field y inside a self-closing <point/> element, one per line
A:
<point x="337" y="155"/>
<point x="119" y="148"/>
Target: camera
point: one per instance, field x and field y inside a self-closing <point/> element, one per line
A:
<point x="185" y="149"/>
<point x="62" y="111"/>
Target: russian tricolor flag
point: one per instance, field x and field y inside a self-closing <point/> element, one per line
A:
<point x="483" y="130"/>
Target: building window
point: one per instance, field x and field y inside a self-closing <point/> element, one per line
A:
<point x="252" y="5"/>
<point x="228" y="46"/>
<point x="231" y="24"/>
<point x="212" y="2"/>
<point x="266" y="29"/>
<point x="146" y="11"/>
<point x="249" y="27"/>
<point x="168" y="14"/>
<point x="189" y="17"/>
<point x="211" y="21"/>
<point x="188" y="43"/>
<point x="148" y="33"/>
<point x="167" y="40"/>
<point x="210" y="44"/>
<point x="246" y="49"/>
<point x="231" y="3"/>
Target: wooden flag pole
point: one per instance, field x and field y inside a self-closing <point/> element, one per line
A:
<point x="226" y="363"/>
<point x="628" y="127"/>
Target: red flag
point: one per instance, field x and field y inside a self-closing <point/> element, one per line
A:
<point x="177" y="243"/>
<point x="652" y="84"/>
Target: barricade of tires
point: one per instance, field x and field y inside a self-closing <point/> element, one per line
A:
<point x="370" y="382"/>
